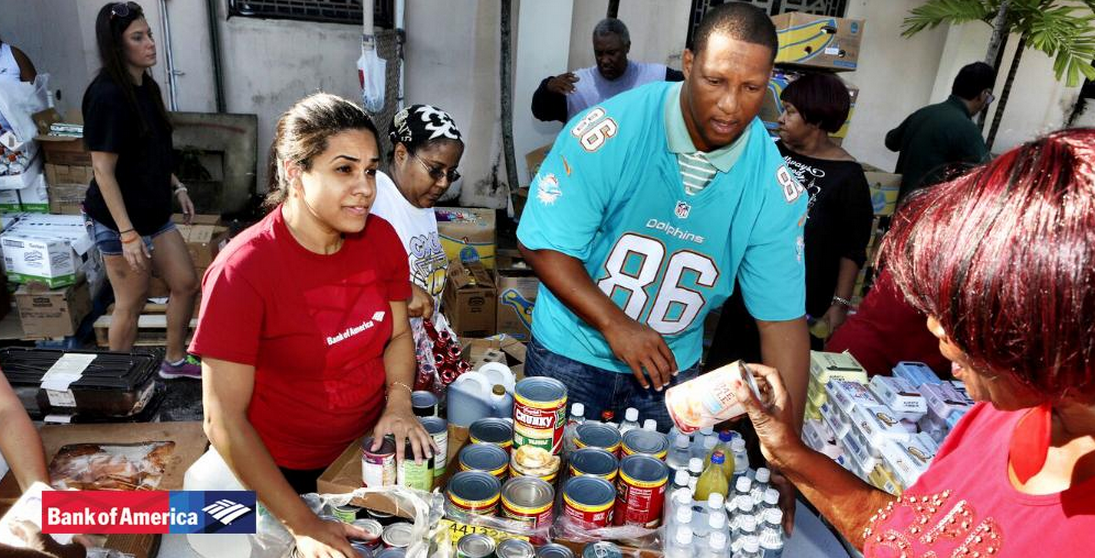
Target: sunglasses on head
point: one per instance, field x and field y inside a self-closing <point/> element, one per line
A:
<point x="437" y="173"/>
<point x="124" y="9"/>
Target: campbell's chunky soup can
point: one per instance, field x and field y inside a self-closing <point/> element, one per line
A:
<point x="640" y="491"/>
<point x="589" y="501"/>
<point x="539" y="413"/>
<point x="473" y="492"/>
<point x="378" y="467"/>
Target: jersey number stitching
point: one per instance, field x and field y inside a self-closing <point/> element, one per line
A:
<point x="594" y="129"/>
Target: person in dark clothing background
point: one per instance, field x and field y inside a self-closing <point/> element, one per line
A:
<point x="935" y="138"/>
<point x="838" y="215"/>
<point x="561" y="97"/>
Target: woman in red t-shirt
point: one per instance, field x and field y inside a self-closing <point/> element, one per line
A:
<point x="303" y="331"/>
<point x="1002" y="260"/>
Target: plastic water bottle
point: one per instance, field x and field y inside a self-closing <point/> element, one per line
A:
<point x="698" y="448"/>
<point x="746" y="527"/>
<point x="741" y="459"/>
<point x="731" y="509"/>
<point x="709" y="444"/>
<point x="631" y="420"/>
<point x="682" y="544"/>
<point x="577" y="417"/>
<point x="745" y="513"/>
<point x="695" y="469"/>
<point x="771" y="534"/>
<point x="651" y="425"/>
<point x="743" y="486"/>
<point x="678" y="454"/>
<point x="760" y="485"/>
<point x="771" y="499"/>
<point x="750" y="548"/>
<point x="716" y="547"/>
<point x="716" y="523"/>
<point x="678" y="493"/>
<point x="701" y="522"/>
<point x="683" y="516"/>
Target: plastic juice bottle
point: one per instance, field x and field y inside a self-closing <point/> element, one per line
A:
<point x="712" y="480"/>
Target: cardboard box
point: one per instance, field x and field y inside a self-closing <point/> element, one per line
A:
<point x="51" y="249"/>
<point x="60" y="150"/>
<point x="199" y="219"/>
<point x="517" y="291"/>
<point x="35" y="197"/>
<point x="47" y="313"/>
<point x="66" y="199"/>
<point x="467" y="234"/>
<point x="818" y="41"/>
<point x="29" y="176"/>
<point x="469" y="299"/>
<point x="203" y="242"/>
<point x="772" y="108"/>
<point x="9" y="201"/>
<point x="68" y="174"/>
<point x="500" y="348"/>
<point x="884" y="189"/>
<point x="534" y="158"/>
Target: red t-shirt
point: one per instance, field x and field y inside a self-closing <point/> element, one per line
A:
<point x="313" y="326"/>
<point x="966" y="501"/>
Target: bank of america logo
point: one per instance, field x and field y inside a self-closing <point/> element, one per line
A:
<point x="226" y="511"/>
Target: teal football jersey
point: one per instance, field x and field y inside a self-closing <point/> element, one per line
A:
<point x="610" y="194"/>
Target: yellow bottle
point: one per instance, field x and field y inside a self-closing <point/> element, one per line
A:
<point x="712" y="480"/>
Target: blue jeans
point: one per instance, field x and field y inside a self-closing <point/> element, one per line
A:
<point x="109" y="241"/>
<point x="599" y="389"/>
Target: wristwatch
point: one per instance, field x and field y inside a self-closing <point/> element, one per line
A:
<point x="842" y="301"/>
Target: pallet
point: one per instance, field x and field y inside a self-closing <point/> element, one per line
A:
<point x="151" y="330"/>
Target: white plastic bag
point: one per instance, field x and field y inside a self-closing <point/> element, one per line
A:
<point x="370" y="73"/>
<point x="20" y="100"/>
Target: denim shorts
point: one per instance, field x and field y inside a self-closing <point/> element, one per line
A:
<point x="109" y="241"/>
<point x="603" y="390"/>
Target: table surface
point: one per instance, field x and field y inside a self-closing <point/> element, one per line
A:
<point x="811" y="538"/>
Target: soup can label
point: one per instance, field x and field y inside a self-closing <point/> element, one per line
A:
<point x="418" y="476"/>
<point x="378" y="467"/>
<point x="530" y="500"/>
<point x="640" y="491"/>
<point x="539" y="413"/>
<point x="589" y="501"/>
<point x="439" y="431"/>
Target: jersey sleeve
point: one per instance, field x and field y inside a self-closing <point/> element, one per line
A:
<point x="231" y="316"/>
<point x="772" y="274"/>
<point x="569" y="197"/>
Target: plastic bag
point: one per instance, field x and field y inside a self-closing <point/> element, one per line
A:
<point x="18" y="103"/>
<point x="438" y="355"/>
<point x="370" y="73"/>
<point x="110" y="466"/>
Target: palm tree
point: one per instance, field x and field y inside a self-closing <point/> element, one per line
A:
<point x="1063" y="29"/>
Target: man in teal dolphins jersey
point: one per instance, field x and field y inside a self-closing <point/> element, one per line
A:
<point x="645" y="211"/>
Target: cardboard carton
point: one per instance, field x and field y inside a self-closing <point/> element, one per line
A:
<point x="68" y="174"/>
<point x="34" y="198"/>
<point x="502" y="349"/>
<point x="469" y="299"/>
<point x="203" y="242"/>
<point x="66" y="199"/>
<point x="51" y="249"/>
<point x="772" y="108"/>
<point x="517" y="291"/>
<point x="60" y="150"/>
<point x="884" y="189"/>
<point x="47" y="313"/>
<point x="534" y="158"/>
<point x="467" y="234"/>
<point x="818" y="41"/>
<point x="9" y="201"/>
<point x="29" y="176"/>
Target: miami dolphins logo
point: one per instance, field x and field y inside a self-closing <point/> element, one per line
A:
<point x="520" y="305"/>
<point x="803" y="42"/>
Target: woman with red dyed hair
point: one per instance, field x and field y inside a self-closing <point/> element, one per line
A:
<point x="1002" y="260"/>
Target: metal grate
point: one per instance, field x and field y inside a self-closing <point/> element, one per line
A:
<point x="835" y="8"/>
<point x="326" y="11"/>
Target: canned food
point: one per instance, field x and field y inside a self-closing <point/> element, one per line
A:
<point x="438" y="428"/>
<point x="554" y="550"/>
<point x="594" y="462"/>
<point x="361" y="550"/>
<point x="380" y="517"/>
<point x="484" y="457"/>
<point x="397" y="535"/>
<point x="424" y="403"/>
<point x="346" y="514"/>
<point x="647" y="442"/>
<point x="531" y="461"/>
<point x="539" y="413"/>
<point x="597" y="435"/>
<point x="473" y="492"/>
<point x="602" y="549"/>
<point x="374" y="530"/>
<point x="515" y="548"/>
<point x="418" y="476"/>
<point x="378" y="467"/>
<point x="475" y="545"/>
<point x="496" y="431"/>
<point x="589" y="501"/>
<point x="530" y="500"/>
<point x="640" y="491"/>
<point x="392" y="553"/>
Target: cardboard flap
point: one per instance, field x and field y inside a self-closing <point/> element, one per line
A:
<point x="469" y="275"/>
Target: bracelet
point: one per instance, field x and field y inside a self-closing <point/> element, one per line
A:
<point x="120" y="233"/>
<point x="181" y="189"/>
<point x="842" y="301"/>
<point x="131" y="240"/>
<point x="398" y="383"/>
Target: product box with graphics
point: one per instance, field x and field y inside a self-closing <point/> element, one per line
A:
<point x="47" y="313"/>
<point x="884" y="189"/>
<point x="819" y="41"/>
<point x="50" y="249"/>
<point x="469" y="299"/>
<point x="467" y="234"/>
<point x="516" y="296"/>
<point x="772" y="108"/>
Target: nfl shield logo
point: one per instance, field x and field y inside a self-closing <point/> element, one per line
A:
<point x="682" y="210"/>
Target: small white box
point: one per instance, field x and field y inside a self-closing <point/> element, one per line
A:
<point x="836" y="366"/>
<point x="917" y="373"/>
<point x="899" y="395"/>
<point x="830" y="416"/>
<point x="47" y="248"/>
<point x="849" y="394"/>
<point x="876" y="424"/>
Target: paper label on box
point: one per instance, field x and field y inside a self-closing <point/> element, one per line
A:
<point x="61" y="398"/>
<point x="57" y="419"/>
<point x="68" y="369"/>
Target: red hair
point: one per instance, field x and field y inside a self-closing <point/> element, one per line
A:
<point x="1004" y="258"/>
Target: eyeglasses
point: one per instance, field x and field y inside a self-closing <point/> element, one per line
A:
<point x="990" y="98"/>
<point x="437" y="173"/>
<point x="124" y="9"/>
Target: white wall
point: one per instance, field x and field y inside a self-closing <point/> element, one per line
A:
<point x="658" y="30"/>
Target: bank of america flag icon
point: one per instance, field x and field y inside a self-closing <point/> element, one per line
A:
<point x="226" y="511"/>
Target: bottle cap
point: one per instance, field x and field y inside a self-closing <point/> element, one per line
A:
<point x="650" y="424"/>
<point x="631" y="414"/>
<point x="684" y="497"/>
<point x="725" y="436"/>
<point x="707" y="430"/>
<point x="681" y="441"/>
<point x="498" y="390"/>
<point x="717" y="540"/>
<point x="763" y="475"/>
<point x="684" y="515"/>
<point x="695" y="465"/>
<point x="745" y="504"/>
<point x="709" y="443"/>
<point x="684" y="537"/>
<point x="738" y="445"/>
<point x="718" y="458"/>
<point x="774" y="516"/>
<point x="680" y="478"/>
<point x="743" y="484"/>
<point x="716" y="520"/>
<point x="714" y="500"/>
<point x="749" y="544"/>
<point x="771" y="497"/>
<point x="577" y="410"/>
<point x="747" y="523"/>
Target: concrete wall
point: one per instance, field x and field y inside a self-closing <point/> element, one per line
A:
<point x="658" y="29"/>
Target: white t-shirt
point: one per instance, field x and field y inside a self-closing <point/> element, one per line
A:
<point x="417" y="229"/>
